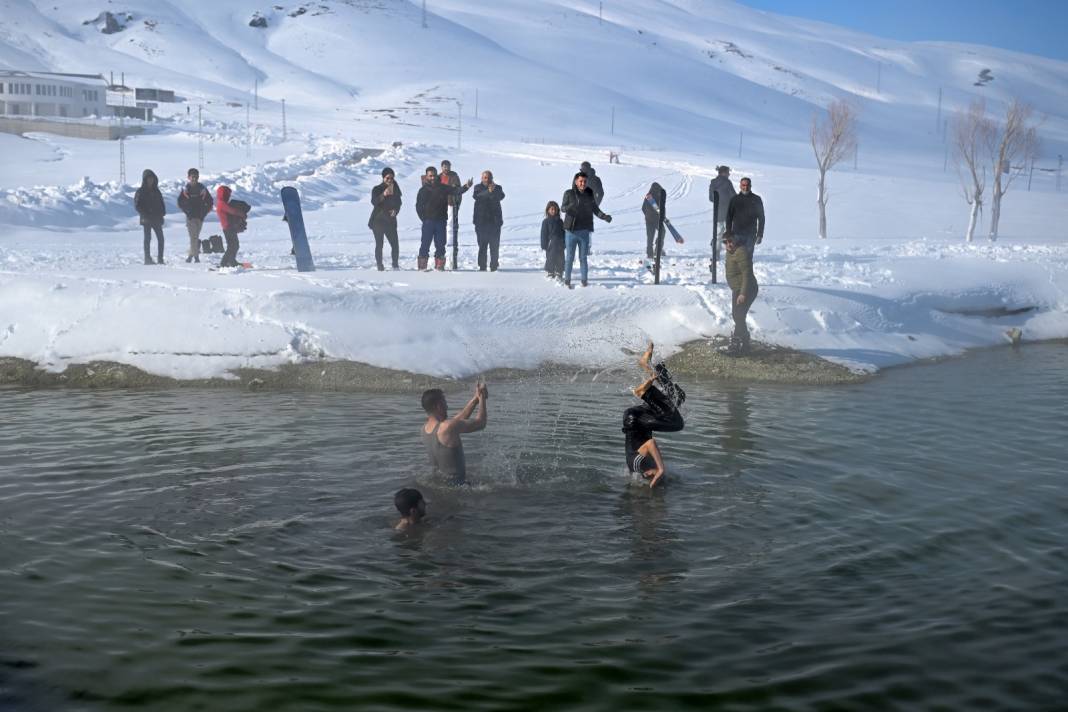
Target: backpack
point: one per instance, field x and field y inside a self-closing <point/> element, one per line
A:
<point x="240" y="223"/>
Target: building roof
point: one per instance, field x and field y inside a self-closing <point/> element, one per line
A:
<point x="50" y="75"/>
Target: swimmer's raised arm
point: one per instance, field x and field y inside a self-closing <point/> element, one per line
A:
<point x="479" y="422"/>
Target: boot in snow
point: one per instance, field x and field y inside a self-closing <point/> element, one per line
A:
<point x="422" y="263"/>
<point x="439" y="264"/>
<point x="148" y="260"/>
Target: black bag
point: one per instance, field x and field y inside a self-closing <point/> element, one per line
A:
<point x="240" y="224"/>
<point x="216" y="243"/>
<point x="205" y="247"/>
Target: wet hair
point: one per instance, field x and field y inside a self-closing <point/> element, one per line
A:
<point x="551" y="204"/>
<point x="432" y="398"/>
<point x="406" y="500"/>
<point x="193" y="172"/>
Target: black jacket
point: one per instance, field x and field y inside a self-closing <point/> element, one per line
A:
<point x="148" y="202"/>
<point x="383" y="204"/>
<point x="745" y="216"/>
<point x="432" y="202"/>
<point x="581" y="207"/>
<point x="651" y="215"/>
<point x="552" y="230"/>
<point x="195" y="201"/>
<point x="487" y="205"/>
<point x="723" y="186"/>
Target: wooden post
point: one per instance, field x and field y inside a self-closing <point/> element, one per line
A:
<point x="715" y="234"/>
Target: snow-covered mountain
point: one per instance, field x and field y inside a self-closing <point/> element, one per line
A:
<point x="679" y="73"/>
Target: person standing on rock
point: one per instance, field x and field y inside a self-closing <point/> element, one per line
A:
<point x="488" y="220"/>
<point x="744" y="289"/>
<point x="432" y="207"/>
<point x="386" y="204"/>
<point x="148" y="202"/>
<point x="745" y="217"/>
<point x="579" y="207"/>
<point x="722" y="186"/>
<point x="195" y="201"/>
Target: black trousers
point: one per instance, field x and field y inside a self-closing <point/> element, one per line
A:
<point x="229" y="258"/>
<point x="656" y="414"/>
<point x="650" y="238"/>
<point x="383" y="233"/>
<point x="488" y="236"/>
<point x="148" y="240"/>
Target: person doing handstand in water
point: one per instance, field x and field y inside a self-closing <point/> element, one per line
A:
<point x="441" y="434"/>
<point x="659" y="412"/>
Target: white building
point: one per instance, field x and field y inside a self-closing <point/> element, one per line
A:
<point x="50" y="94"/>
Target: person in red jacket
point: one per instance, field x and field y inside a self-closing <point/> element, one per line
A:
<point x="233" y="221"/>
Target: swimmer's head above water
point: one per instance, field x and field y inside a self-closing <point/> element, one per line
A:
<point x="411" y="505"/>
<point x="434" y="403"/>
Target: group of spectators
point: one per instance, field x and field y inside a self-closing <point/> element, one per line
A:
<point x="196" y="202"/>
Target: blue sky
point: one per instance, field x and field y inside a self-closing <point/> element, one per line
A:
<point x="1035" y="26"/>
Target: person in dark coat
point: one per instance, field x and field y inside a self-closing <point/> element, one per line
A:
<point x="148" y="202"/>
<point x="386" y="202"/>
<point x="195" y="201"/>
<point x="745" y="217"/>
<point x="722" y="185"/>
<point x="594" y="182"/>
<point x="233" y="221"/>
<point x="432" y="207"/>
<point x="552" y="241"/>
<point x="652" y="219"/>
<point x="488" y="219"/>
<point x="579" y="208"/>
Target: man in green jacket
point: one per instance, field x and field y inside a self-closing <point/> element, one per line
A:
<point x="744" y="288"/>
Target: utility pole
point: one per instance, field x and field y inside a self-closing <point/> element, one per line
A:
<point x="1060" y="164"/>
<point x="200" y="138"/>
<point x="613" y="126"/>
<point x="740" y="135"/>
<point x="459" y="125"/>
<point x="600" y="12"/>
<point x="938" y="119"/>
<point x="1030" y="175"/>
<point x="248" y="131"/>
<point x="424" y="15"/>
<point x="283" y="119"/>
<point x="945" y="159"/>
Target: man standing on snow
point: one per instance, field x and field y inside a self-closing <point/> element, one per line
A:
<point x="195" y="201"/>
<point x="488" y="220"/>
<point x="593" y="182"/>
<point x="449" y="177"/>
<point x="722" y="186"/>
<point x="432" y="207"/>
<point x="745" y="217"/>
<point x="386" y="203"/>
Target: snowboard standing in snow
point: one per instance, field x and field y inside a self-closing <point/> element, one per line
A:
<point x="715" y="226"/>
<point x="295" y="218"/>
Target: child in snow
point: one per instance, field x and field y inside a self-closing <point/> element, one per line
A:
<point x="148" y="202"/>
<point x="234" y="219"/>
<point x="552" y="240"/>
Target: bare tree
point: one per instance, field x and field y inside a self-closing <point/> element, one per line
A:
<point x="972" y="134"/>
<point x="1017" y="144"/>
<point x="834" y="136"/>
